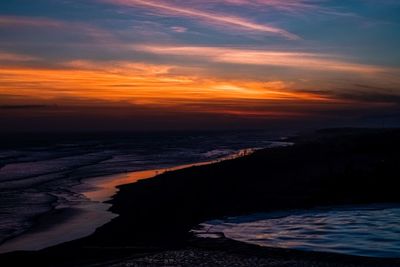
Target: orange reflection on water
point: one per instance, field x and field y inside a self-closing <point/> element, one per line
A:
<point x="103" y="188"/>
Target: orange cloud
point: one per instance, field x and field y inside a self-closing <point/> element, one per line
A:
<point x="141" y="84"/>
<point x="289" y="59"/>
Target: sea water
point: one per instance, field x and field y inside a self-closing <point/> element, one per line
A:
<point x="59" y="182"/>
<point x="371" y="230"/>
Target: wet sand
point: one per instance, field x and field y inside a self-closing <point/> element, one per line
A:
<point x="156" y="215"/>
<point x="225" y="252"/>
<point x="60" y="226"/>
<point x="85" y="217"/>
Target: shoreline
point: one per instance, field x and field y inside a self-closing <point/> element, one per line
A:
<point x="156" y="215"/>
<point x="98" y="190"/>
<point x="320" y="229"/>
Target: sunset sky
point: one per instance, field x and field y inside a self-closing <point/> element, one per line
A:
<point x="169" y="64"/>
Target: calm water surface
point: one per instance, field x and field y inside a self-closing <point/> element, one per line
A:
<point x="364" y="231"/>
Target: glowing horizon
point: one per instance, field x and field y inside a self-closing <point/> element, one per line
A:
<point x="261" y="59"/>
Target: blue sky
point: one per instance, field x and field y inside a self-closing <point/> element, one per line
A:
<point x="256" y="60"/>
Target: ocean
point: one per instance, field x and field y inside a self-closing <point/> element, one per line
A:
<point x="44" y="173"/>
<point x="362" y="230"/>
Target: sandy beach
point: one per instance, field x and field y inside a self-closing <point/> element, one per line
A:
<point x="225" y="252"/>
<point x="156" y="215"/>
<point x="85" y="217"/>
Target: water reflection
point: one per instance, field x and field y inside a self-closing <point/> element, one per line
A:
<point x="101" y="189"/>
<point x="82" y="217"/>
<point x="364" y="231"/>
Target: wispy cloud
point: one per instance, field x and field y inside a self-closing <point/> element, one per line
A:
<point x="140" y="84"/>
<point x="290" y="59"/>
<point x="295" y="7"/>
<point x="205" y="16"/>
<point x="287" y="5"/>
<point x="87" y="29"/>
<point x="29" y="21"/>
<point x="178" y="29"/>
<point x="5" y="56"/>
